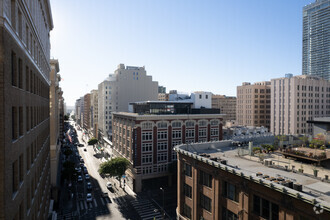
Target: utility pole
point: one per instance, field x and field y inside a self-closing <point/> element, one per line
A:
<point x="163" y="214"/>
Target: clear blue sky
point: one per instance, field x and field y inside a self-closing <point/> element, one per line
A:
<point x="187" y="45"/>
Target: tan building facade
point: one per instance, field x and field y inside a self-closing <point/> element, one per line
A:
<point x="227" y="106"/>
<point x="24" y="109"/>
<point x="296" y="100"/>
<point x="253" y="104"/>
<point x="87" y="111"/>
<point x="55" y="96"/>
<point x="94" y="112"/>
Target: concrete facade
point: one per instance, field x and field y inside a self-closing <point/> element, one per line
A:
<point x="87" y="111"/>
<point x="94" y="112"/>
<point x="227" y="106"/>
<point x="24" y="109"/>
<point x="297" y="99"/>
<point x="55" y="99"/>
<point x="127" y="84"/>
<point x="147" y="141"/>
<point x="253" y="104"/>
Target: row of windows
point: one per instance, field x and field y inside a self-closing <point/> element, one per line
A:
<point x="190" y="133"/>
<point x="27" y="79"/>
<point x="178" y="124"/>
<point x="161" y="168"/>
<point x="34" y="115"/>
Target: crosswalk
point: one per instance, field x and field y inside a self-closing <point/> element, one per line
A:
<point x="84" y="205"/>
<point x="145" y="209"/>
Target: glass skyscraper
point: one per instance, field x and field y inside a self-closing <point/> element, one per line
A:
<point x="316" y="39"/>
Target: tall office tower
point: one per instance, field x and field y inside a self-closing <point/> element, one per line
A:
<point x="316" y="39"/>
<point x="55" y="94"/>
<point x="87" y="111"/>
<point x="253" y="104"/>
<point x="24" y="109"/>
<point x="296" y="100"/>
<point x="77" y="111"/>
<point x="128" y="84"/>
<point x="94" y="112"/>
<point x="227" y="106"/>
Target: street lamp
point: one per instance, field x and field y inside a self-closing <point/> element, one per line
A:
<point x="163" y="203"/>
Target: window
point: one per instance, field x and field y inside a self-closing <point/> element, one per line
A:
<point x="162" y="135"/>
<point x="214" y="122"/>
<point x="214" y="131"/>
<point x="202" y="123"/>
<point x="230" y="191"/>
<point x="146" y="125"/>
<point x="205" y="179"/>
<point x="21" y="169"/>
<point x="13" y="14"/>
<point x="190" y="124"/>
<point x="200" y="96"/>
<point x="176" y="124"/>
<point x="161" y="146"/>
<point x="162" y="125"/>
<point x="202" y="132"/>
<point x="226" y="214"/>
<point x="20" y="121"/>
<point x="187" y="190"/>
<point x="20" y="73"/>
<point x="265" y="208"/>
<point x="176" y="134"/>
<point x="146" y="158"/>
<point x="175" y="143"/>
<point x="146" y="136"/>
<point x="14" y="123"/>
<point x="162" y="157"/>
<point x="146" y="147"/>
<point x="187" y="170"/>
<point x="162" y="168"/>
<point x="190" y="133"/>
<point x="205" y="202"/>
<point x="146" y="170"/>
<point x="206" y="96"/>
<point x="15" y="176"/>
<point x="186" y="211"/>
<point x="13" y="69"/>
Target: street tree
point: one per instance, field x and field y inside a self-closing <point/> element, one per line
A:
<point x="92" y="141"/>
<point x="68" y="170"/>
<point x="115" y="167"/>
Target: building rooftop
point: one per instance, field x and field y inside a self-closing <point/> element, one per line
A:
<point x="225" y="156"/>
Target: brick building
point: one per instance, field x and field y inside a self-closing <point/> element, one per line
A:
<point x="214" y="183"/>
<point x="87" y="111"/>
<point x="147" y="137"/>
<point x="24" y="109"/>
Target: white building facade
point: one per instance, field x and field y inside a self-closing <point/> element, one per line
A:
<point x="127" y="84"/>
<point x="296" y="100"/>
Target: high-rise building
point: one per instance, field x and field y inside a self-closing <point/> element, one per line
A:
<point x="227" y="106"/>
<point x="87" y="111"/>
<point x="147" y="135"/>
<point x="94" y="112"/>
<point x="127" y="84"/>
<point x="316" y="41"/>
<point x="24" y="109"/>
<point x="296" y="100"/>
<point x="55" y="94"/>
<point x="253" y="104"/>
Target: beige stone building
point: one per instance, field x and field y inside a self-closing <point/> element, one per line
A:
<point x="55" y="94"/>
<point x="296" y="100"/>
<point x="227" y="106"/>
<point x="94" y="112"/>
<point x="87" y="111"/>
<point x="24" y="109"/>
<point x="253" y="104"/>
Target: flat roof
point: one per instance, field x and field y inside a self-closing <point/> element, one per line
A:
<point x="312" y="188"/>
<point x="161" y="102"/>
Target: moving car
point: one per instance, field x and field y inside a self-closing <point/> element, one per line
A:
<point x="85" y="170"/>
<point x="80" y="179"/>
<point x="89" y="197"/>
<point x="89" y="185"/>
<point x="81" y="160"/>
<point x="87" y="176"/>
<point x="109" y="186"/>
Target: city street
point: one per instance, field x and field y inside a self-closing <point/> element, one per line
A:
<point x="104" y="204"/>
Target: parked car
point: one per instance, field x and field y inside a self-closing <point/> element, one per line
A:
<point x="89" y="197"/>
<point x="81" y="160"/>
<point x="78" y="169"/>
<point x="89" y="185"/>
<point x="85" y="170"/>
<point x="109" y="186"/>
<point x="81" y="145"/>
<point x="87" y="176"/>
<point x="80" y="179"/>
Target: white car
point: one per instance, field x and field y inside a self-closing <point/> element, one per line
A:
<point x="89" y="197"/>
<point x="109" y="186"/>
